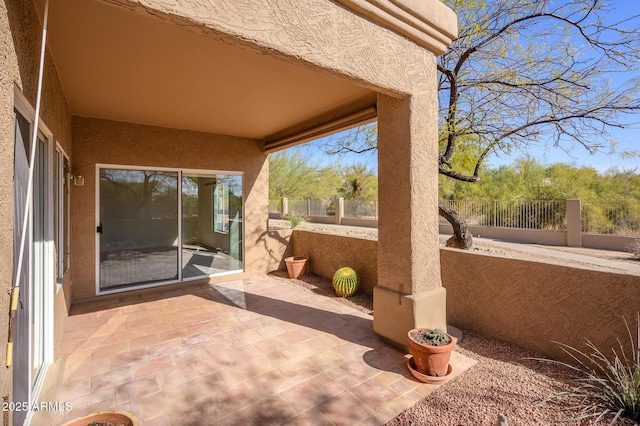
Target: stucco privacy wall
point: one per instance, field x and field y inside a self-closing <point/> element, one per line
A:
<point x="109" y="142"/>
<point x="20" y="38"/>
<point x="529" y="304"/>
<point x="533" y="304"/>
<point x="328" y="253"/>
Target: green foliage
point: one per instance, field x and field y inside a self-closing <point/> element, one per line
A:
<point x="345" y="282"/>
<point x="296" y="177"/>
<point x="438" y="337"/>
<point x="359" y="183"/>
<point x="605" y="387"/>
<point x="293" y="175"/>
<point x="527" y="179"/>
<point x="295" y="220"/>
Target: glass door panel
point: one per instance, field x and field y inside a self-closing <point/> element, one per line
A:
<point x="138" y="227"/>
<point x="211" y="224"/>
<point x="38" y="229"/>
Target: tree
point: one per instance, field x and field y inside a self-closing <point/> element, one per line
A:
<point x="293" y="175"/>
<point x="529" y="72"/>
<point x="359" y="183"/>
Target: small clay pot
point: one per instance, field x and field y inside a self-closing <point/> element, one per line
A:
<point x="430" y="360"/>
<point x="296" y="266"/>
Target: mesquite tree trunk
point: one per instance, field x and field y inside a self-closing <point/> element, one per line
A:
<point x="461" y="238"/>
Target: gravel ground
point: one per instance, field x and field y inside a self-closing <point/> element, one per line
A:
<point x="504" y="380"/>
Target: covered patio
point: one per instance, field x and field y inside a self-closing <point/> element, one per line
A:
<point x="259" y="350"/>
<point x="136" y="135"/>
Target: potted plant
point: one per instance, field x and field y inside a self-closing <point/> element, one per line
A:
<point x="296" y="266"/>
<point x="431" y="350"/>
<point x="110" y="417"/>
<point x="345" y="282"/>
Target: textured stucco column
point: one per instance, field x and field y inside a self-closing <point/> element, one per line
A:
<point x="574" y="224"/>
<point x="409" y="292"/>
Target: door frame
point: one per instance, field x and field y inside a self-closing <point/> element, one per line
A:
<point x="34" y="385"/>
<point x="180" y="172"/>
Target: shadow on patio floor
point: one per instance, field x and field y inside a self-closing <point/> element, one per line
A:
<point x="253" y="351"/>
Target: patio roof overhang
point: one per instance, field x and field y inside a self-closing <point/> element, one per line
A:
<point x="132" y="65"/>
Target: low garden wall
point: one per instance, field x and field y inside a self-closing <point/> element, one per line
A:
<point x="530" y="304"/>
<point x="534" y="304"/>
<point x="328" y="253"/>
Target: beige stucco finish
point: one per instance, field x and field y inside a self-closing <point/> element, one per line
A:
<point x="328" y="253"/>
<point x="20" y="36"/>
<point x="114" y="143"/>
<point x="533" y="304"/>
<point x="290" y="66"/>
<point x="530" y="304"/>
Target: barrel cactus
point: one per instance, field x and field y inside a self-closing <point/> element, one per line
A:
<point x="345" y="282"/>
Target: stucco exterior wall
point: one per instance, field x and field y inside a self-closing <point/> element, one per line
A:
<point x="328" y="253"/>
<point x="20" y="38"/>
<point x="530" y="304"/>
<point x="109" y="142"/>
<point x="533" y="304"/>
<point x="334" y="39"/>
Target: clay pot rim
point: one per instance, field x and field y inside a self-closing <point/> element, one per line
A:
<point x="295" y="259"/>
<point x="432" y="348"/>
<point x="93" y="417"/>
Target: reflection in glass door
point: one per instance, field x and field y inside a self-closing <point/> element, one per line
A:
<point x="211" y="224"/>
<point x="138" y="227"/>
<point x="38" y="259"/>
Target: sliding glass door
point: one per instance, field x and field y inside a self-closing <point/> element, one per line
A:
<point x="211" y="224"/>
<point x="167" y="226"/>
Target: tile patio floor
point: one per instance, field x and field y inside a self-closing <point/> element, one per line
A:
<point x="257" y="351"/>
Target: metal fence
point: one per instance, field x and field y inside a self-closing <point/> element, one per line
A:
<point x="526" y="214"/>
<point x="275" y="206"/>
<point x="614" y="218"/>
<point x="312" y="207"/>
<point x="361" y="209"/>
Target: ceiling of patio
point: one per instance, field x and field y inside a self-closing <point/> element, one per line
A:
<point x="126" y="66"/>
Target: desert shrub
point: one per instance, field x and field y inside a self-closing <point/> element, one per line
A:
<point x="634" y="248"/>
<point x="295" y="220"/>
<point x="604" y="387"/>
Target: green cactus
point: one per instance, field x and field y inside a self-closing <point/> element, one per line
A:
<point x="345" y="282"/>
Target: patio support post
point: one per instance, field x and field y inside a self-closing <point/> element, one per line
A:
<point x="409" y="292"/>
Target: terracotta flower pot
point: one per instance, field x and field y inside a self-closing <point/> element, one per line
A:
<point x="430" y="360"/>
<point x="106" y="417"/>
<point x="296" y="266"/>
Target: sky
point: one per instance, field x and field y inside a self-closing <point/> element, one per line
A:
<point x="628" y="138"/>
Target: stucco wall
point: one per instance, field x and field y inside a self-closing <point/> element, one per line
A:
<point x="533" y="304"/>
<point x="328" y="253"/>
<point x="109" y="142"/>
<point x="20" y="37"/>
<point x="530" y="304"/>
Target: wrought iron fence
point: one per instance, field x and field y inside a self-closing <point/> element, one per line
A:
<point x="361" y="209"/>
<point x="614" y="218"/>
<point x="526" y="214"/>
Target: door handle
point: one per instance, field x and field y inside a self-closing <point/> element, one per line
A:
<point x="99" y="228"/>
